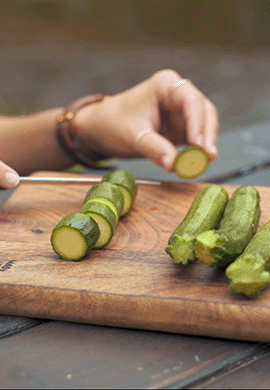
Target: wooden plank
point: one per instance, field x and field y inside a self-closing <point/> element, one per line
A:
<point x="253" y="374"/>
<point x="68" y="355"/>
<point x="130" y="283"/>
<point x="10" y="325"/>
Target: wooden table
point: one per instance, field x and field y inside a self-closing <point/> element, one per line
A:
<point x="45" y="353"/>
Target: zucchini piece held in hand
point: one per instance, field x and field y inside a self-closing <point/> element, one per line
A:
<point x="249" y="273"/>
<point x="204" y="214"/>
<point x="106" y="193"/>
<point x="191" y="162"/>
<point x="239" y="224"/>
<point x="104" y="217"/>
<point x="127" y="184"/>
<point x="74" y="236"/>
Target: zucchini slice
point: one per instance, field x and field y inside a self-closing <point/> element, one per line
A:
<point x="191" y="162"/>
<point x="240" y="221"/>
<point x="204" y="214"/>
<point x="249" y="273"/>
<point x="74" y="236"/>
<point x="104" y="217"/>
<point x="109" y="193"/>
<point x="127" y="184"/>
<point x="108" y="203"/>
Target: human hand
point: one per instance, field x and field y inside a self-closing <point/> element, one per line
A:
<point x="150" y="119"/>
<point x="8" y="177"/>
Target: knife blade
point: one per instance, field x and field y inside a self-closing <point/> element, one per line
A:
<point x="33" y="179"/>
<point x="243" y="171"/>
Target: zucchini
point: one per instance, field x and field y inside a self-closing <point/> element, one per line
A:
<point x="127" y="184"/>
<point x="239" y="224"/>
<point x="204" y="214"/>
<point x="249" y="273"/>
<point x="191" y="162"/>
<point x="74" y="236"/>
<point x="107" y="193"/>
<point x="104" y="217"/>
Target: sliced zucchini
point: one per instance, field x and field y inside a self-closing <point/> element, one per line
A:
<point x="108" y="203"/>
<point x="249" y="273"/>
<point x="204" y="214"/>
<point x="239" y="224"/>
<point x="127" y="184"/>
<point x="110" y="193"/>
<point x="191" y="162"/>
<point x="74" y="236"/>
<point x="104" y="217"/>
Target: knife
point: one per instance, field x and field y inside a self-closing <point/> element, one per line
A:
<point x="76" y="180"/>
<point x="244" y="171"/>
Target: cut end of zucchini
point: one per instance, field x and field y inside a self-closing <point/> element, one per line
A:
<point x="74" y="236"/>
<point x="106" y="190"/>
<point x="108" y="203"/>
<point x="127" y="184"/>
<point x="127" y="201"/>
<point x="247" y="276"/>
<point x="106" y="231"/>
<point x="69" y="244"/>
<point x="191" y="162"/>
<point x="181" y="249"/>
<point x="209" y="249"/>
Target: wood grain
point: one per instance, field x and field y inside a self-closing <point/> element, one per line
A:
<point x="61" y="355"/>
<point x="254" y="374"/>
<point x="10" y="325"/>
<point x="132" y="282"/>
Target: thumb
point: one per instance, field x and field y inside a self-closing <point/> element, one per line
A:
<point x="8" y="177"/>
<point x="157" y="148"/>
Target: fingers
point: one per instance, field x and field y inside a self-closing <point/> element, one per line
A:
<point x="156" y="147"/>
<point x="8" y="177"/>
<point x="201" y="123"/>
<point x="183" y="99"/>
<point x="211" y="126"/>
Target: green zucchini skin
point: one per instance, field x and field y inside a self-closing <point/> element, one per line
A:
<point x="126" y="182"/>
<point x="87" y="228"/>
<point x="249" y="273"/>
<point x="106" y="190"/>
<point x="204" y="214"/>
<point x="239" y="224"/>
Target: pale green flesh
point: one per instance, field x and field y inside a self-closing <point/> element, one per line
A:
<point x="69" y="244"/>
<point x="191" y="162"/>
<point x="248" y="275"/>
<point x="106" y="230"/>
<point x="209" y="248"/>
<point x="108" y="203"/>
<point x="205" y="242"/>
<point x="181" y="249"/>
<point x="127" y="200"/>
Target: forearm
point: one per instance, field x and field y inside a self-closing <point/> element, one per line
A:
<point x="28" y="143"/>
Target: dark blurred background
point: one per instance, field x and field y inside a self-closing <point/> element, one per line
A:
<point x="54" y="51"/>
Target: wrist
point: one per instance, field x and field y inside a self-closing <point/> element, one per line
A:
<point x="72" y="131"/>
<point x="86" y="127"/>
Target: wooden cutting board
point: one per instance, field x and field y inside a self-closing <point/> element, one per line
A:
<point x="131" y="283"/>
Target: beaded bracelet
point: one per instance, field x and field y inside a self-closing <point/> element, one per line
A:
<point x="67" y="137"/>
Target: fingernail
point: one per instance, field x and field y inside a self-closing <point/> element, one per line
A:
<point x="213" y="149"/>
<point x="12" y="179"/>
<point x="199" y="141"/>
<point x="167" y="162"/>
